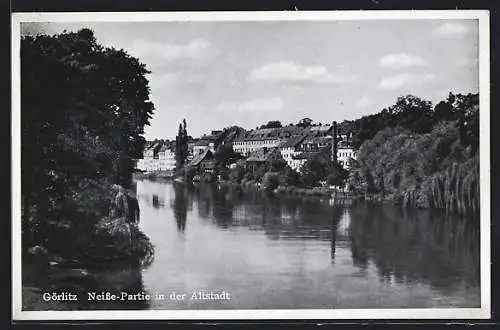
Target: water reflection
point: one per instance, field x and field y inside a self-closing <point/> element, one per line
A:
<point x="180" y="207"/>
<point x="298" y="252"/>
<point x="415" y="246"/>
<point x="156" y="203"/>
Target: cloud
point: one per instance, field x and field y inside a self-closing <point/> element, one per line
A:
<point x="156" y="53"/>
<point x="267" y="104"/>
<point x="449" y="30"/>
<point x="177" y="78"/>
<point x="405" y="79"/>
<point x="291" y="72"/>
<point x="364" y="102"/>
<point x="401" y="60"/>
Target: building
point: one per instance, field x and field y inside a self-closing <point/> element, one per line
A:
<point x="290" y="149"/>
<point x="166" y="158"/>
<point x="150" y="159"/>
<point x="320" y="130"/>
<point x="314" y="144"/>
<point x="210" y="142"/>
<point x="191" y="144"/>
<point x="254" y="140"/>
<point x="157" y="156"/>
<point x="345" y="154"/>
<point x="262" y="157"/>
<point x="203" y="162"/>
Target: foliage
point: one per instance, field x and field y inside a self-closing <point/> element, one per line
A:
<point x="290" y="177"/>
<point x="272" y="124"/>
<point x="236" y="174"/>
<point x="84" y="108"/>
<point x="277" y="165"/>
<point x="321" y="168"/>
<point x="226" y="156"/>
<point x="455" y="189"/>
<point x="270" y="181"/>
<point x="189" y="174"/>
<point x="181" y="146"/>
<point x="436" y="169"/>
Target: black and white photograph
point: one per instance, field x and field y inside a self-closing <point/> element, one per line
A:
<point x="263" y="165"/>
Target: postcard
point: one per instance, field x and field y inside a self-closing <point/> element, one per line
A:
<point x="251" y="165"/>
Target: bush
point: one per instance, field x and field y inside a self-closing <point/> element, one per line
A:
<point x="236" y="174"/>
<point x="270" y="181"/>
<point x="190" y="172"/>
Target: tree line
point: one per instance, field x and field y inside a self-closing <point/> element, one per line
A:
<point x="421" y="156"/>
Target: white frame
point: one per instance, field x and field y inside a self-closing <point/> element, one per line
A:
<point x="484" y="84"/>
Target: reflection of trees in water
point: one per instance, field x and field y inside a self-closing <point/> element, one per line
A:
<point x="223" y="206"/>
<point x="415" y="245"/>
<point x="337" y="212"/>
<point x="180" y="206"/>
<point x="280" y="217"/>
<point x="156" y="203"/>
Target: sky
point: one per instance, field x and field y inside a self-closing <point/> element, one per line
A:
<point x="218" y="74"/>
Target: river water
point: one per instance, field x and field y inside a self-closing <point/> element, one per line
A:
<point x="280" y="252"/>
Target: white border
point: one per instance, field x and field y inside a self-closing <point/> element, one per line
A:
<point x="421" y="313"/>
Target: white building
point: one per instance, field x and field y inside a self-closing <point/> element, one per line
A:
<point x="202" y="145"/>
<point x="166" y="158"/>
<point x="289" y="150"/>
<point x="150" y="157"/>
<point x="344" y="156"/>
<point x="255" y="140"/>
<point x="205" y="142"/>
<point x="158" y="156"/>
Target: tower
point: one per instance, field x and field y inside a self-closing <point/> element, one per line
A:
<point x="334" y="143"/>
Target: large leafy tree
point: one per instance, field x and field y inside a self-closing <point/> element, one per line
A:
<point x="409" y="112"/>
<point x="83" y="108"/>
<point x="438" y="168"/>
<point x="272" y="124"/>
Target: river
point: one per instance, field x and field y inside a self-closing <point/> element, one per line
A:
<point x="280" y="252"/>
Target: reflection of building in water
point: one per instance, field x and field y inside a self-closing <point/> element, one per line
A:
<point x="343" y="225"/>
<point x="288" y="213"/>
<point x="240" y="213"/>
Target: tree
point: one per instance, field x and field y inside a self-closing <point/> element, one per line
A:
<point x="270" y="181"/>
<point x="321" y="168"/>
<point x="409" y="112"/>
<point x="181" y="146"/>
<point x="413" y="113"/>
<point x="290" y="177"/>
<point x="305" y="122"/>
<point x="84" y="108"/>
<point x="226" y="156"/>
<point x="272" y="124"/>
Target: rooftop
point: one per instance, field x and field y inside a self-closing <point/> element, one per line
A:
<point x="200" y="157"/>
<point x="293" y="141"/>
<point x="262" y="155"/>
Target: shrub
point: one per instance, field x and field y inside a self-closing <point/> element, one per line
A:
<point x="270" y="181"/>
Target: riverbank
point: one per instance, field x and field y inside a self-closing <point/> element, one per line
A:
<point x="85" y="234"/>
<point x="280" y="189"/>
<point x="153" y="175"/>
